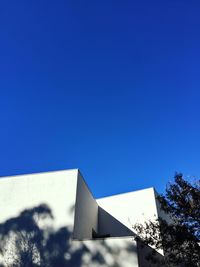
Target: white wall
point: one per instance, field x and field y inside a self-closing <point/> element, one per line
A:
<point x="86" y="212"/>
<point x="131" y="208"/>
<point x="121" y="252"/>
<point x="109" y="225"/>
<point x="72" y="204"/>
<point x="55" y="189"/>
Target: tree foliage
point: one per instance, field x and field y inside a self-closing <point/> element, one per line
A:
<point x="178" y="232"/>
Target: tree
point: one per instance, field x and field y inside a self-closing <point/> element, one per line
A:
<point x="179" y="233"/>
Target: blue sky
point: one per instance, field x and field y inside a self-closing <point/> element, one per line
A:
<point x="109" y="87"/>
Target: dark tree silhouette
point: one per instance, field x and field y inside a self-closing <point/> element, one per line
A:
<point x="179" y="233"/>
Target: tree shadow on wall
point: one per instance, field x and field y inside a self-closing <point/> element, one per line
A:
<point x="30" y="240"/>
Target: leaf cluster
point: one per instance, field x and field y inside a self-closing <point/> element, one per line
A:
<point x="178" y="235"/>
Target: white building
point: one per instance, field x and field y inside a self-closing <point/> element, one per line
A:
<point x="57" y="211"/>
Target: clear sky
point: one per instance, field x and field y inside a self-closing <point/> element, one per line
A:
<point x="109" y="87"/>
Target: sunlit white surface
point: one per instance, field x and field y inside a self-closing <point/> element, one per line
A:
<point x="74" y="207"/>
<point x="130" y="208"/>
<point x="55" y="189"/>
